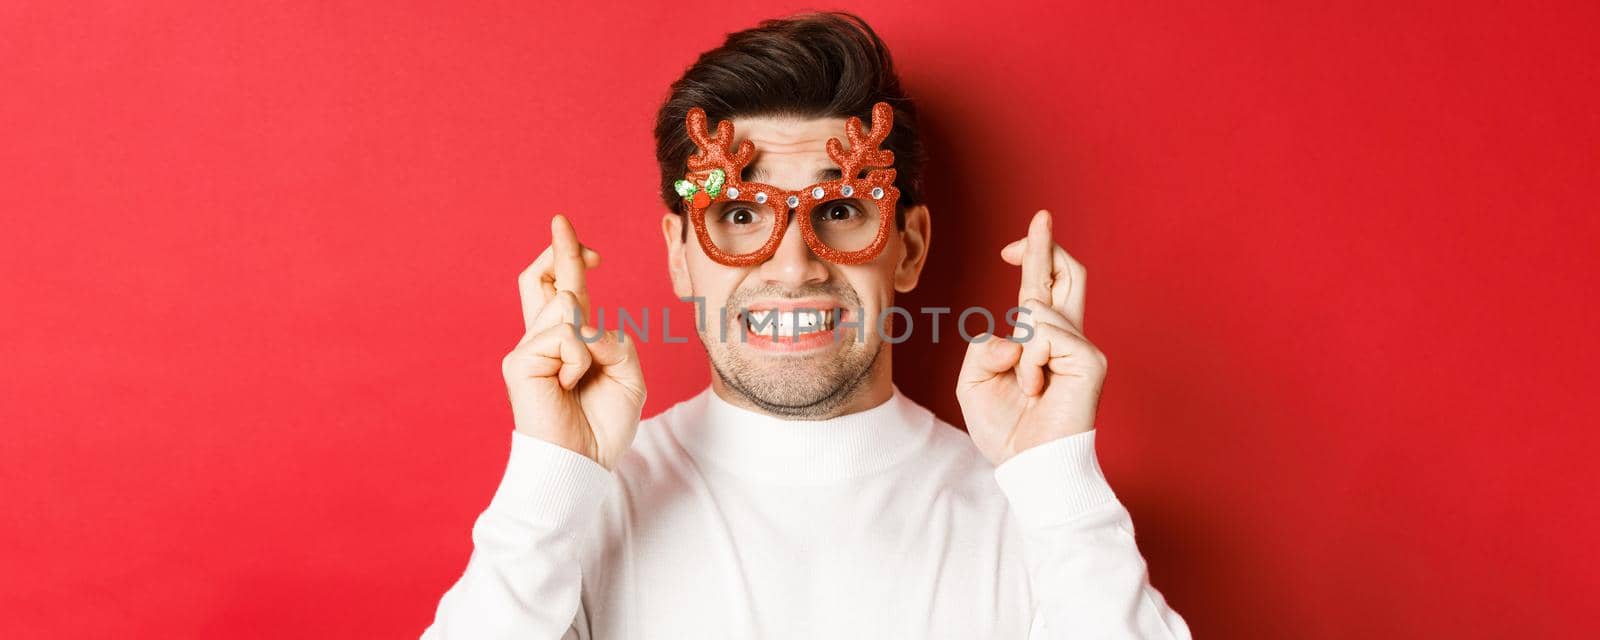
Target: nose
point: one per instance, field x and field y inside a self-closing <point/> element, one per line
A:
<point x="793" y="265"/>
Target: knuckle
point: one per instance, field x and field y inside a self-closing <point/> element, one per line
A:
<point x="559" y="331"/>
<point x="512" y="360"/>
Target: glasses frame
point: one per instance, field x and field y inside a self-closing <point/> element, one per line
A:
<point x="864" y="154"/>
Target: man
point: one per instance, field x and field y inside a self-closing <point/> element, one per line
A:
<point x="801" y="495"/>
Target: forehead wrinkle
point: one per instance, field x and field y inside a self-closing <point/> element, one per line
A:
<point x="817" y="155"/>
<point x="784" y="132"/>
<point x="757" y="174"/>
<point x="789" y="145"/>
<point x="798" y="144"/>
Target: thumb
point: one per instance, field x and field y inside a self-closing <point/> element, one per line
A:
<point x="562" y="353"/>
<point x="616" y="355"/>
<point x="988" y="356"/>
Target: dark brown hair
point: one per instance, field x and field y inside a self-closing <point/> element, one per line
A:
<point x="814" y="65"/>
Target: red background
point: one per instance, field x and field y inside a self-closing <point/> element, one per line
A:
<point x="259" y="268"/>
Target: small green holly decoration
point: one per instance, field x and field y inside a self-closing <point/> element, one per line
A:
<point x="702" y="196"/>
<point x="714" y="182"/>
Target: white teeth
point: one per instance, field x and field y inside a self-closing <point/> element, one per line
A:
<point x="788" y="323"/>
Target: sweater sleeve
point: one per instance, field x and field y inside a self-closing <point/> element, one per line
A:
<point x="1088" y="578"/>
<point x="523" y="579"/>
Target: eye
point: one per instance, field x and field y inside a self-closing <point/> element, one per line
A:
<point x="739" y="216"/>
<point x="838" y="211"/>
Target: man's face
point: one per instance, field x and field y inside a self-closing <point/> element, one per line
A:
<point x="783" y="366"/>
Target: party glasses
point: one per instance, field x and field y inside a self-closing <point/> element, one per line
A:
<point x="844" y="221"/>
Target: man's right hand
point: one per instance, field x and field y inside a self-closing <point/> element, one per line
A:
<point x="582" y="394"/>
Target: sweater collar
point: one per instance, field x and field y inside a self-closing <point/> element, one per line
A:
<point x="783" y="451"/>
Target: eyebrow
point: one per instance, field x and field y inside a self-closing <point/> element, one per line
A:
<point x="757" y="174"/>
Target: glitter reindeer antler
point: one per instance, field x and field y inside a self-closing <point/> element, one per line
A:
<point x="714" y="149"/>
<point x="723" y="166"/>
<point x="864" y="150"/>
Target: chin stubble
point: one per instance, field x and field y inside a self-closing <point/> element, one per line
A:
<point x="820" y="409"/>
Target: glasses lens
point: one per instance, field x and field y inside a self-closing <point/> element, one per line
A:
<point x="738" y="227"/>
<point x="846" y="224"/>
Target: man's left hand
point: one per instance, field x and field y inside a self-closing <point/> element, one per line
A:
<point x="1016" y="395"/>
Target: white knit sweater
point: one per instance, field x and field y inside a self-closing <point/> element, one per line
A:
<point x="725" y="523"/>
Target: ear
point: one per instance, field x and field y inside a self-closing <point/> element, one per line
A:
<point x="672" y="232"/>
<point x="914" y="238"/>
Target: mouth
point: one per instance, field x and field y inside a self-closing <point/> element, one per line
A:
<point x="790" y="326"/>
